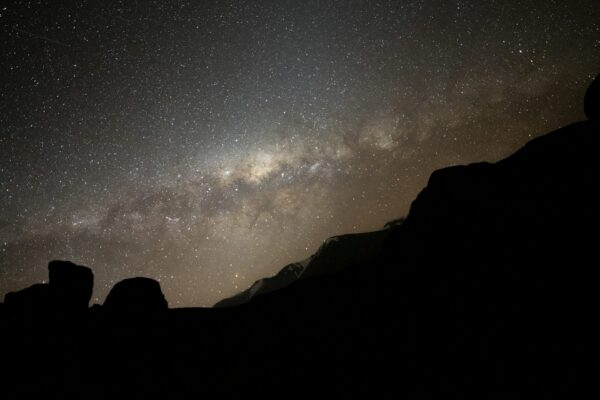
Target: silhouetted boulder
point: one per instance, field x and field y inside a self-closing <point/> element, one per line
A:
<point x="73" y="284"/>
<point x="69" y="291"/>
<point x="136" y="295"/>
<point x="592" y="100"/>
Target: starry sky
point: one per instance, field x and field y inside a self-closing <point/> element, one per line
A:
<point x="208" y="144"/>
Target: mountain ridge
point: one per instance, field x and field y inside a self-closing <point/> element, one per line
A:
<point x="334" y="254"/>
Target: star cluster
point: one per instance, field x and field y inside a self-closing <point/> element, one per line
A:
<point x="208" y="144"/>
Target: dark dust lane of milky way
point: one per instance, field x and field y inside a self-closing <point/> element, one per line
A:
<point x="208" y="144"/>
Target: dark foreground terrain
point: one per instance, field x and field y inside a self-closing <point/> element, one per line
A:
<point x="488" y="288"/>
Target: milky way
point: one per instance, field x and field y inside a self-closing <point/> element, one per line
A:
<point x="208" y="144"/>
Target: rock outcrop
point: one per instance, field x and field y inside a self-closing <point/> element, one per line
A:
<point x="136" y="295"/>
<point x="69" y="291"/>
<point x="73" y="284"/>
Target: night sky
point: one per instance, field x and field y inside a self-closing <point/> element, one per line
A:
<point x="208" y="144"/>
